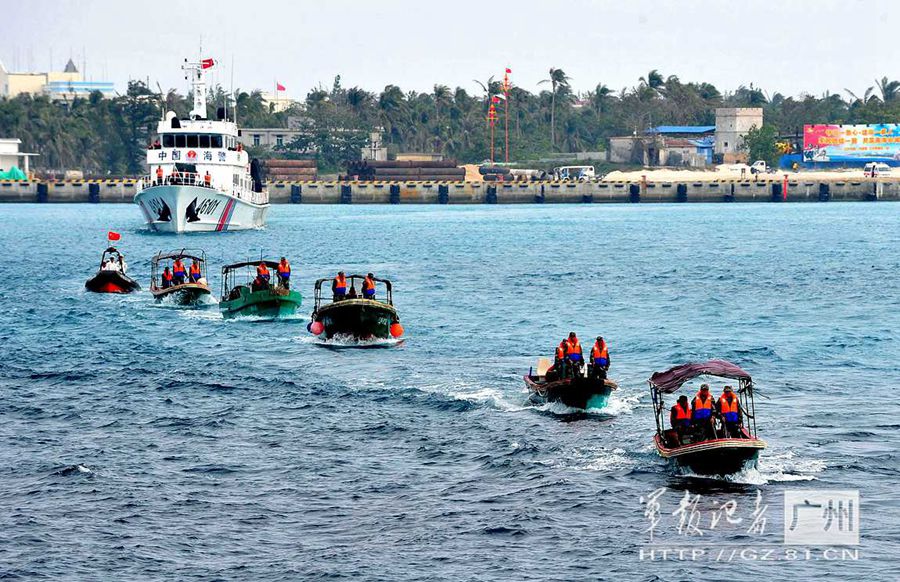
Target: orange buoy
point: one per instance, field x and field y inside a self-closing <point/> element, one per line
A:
<point x="396" y="329"/>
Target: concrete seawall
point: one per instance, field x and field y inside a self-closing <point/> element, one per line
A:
<point x="798" y="190"/>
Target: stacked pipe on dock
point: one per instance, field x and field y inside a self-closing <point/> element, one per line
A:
<point x="400" y="171"/>
<point x="291" y="170"/>
<point x="504" y="174"/>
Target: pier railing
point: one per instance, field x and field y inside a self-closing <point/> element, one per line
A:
<point x="242" y="191"/>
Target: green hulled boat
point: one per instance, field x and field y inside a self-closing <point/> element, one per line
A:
<point x="247" y="293"/>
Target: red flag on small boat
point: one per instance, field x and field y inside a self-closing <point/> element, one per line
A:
<point x="207" y="63"/>
<point x="113" y="235"/>
<point x="279" y="87"/>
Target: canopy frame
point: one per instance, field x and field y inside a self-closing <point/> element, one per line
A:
<point x="672" y="380"/>
<point x="198" y="255"/>
<point x="388" y="287"/>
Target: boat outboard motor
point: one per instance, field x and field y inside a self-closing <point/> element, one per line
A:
<point x="256" y="175"/>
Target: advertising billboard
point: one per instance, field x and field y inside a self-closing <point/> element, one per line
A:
<point x="851" y="143"/>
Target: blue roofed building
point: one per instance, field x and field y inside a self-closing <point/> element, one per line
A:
<point x="683" y="130"/>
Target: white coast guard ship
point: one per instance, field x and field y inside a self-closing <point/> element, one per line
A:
<point x="200" y="178"/>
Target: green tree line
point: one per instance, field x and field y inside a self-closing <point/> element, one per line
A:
<point x="109" y="136"/>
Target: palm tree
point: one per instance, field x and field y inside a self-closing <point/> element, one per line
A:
<point x="889" y="89"/>
<point x="865" y="100"/>
<point x="600" y="97"/>
<point x="559" y="81"/>
<point x="392" y="103"/>
<point x="441" y="97"/>
<point x="654" y="80"/>
<point x="359" y="100"/>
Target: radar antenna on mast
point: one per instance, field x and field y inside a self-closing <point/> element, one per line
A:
<point x="195" y="73"/>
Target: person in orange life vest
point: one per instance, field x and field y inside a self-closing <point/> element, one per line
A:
<point x="207" y="180"/>
<point x="599" y="358"/>
<point x="195" y="272"/>
<point x="339" y="286"/>
<point x="368" y="287"/>
<point x="178" y="272"/>
<point x="559" y="357"/>
<point x="703" y="407"/>
<point x="560" y="353"/>
<point x="680" y="417"/>
<point x="159" y="175"/>
<point x="166" y="278"/>
<point x="284" y="273"/>
<point x="574" y="355"/>
<point x="262" y="273"/>
<point x="729" y="410"/>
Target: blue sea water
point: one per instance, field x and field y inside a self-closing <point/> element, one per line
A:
<point x="140" y="441"/>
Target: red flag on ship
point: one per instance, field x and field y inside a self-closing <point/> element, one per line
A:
<point x="508" y="71"/>
<point x="113" y="236"/>
<point x="279" y="87"/>
<point x="207" y="63"/>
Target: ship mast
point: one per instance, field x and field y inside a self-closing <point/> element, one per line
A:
<point x="194" y="71"/>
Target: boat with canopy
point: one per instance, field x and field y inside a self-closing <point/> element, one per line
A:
<point x="190" y="287"/>
<point x="246" y="293"/>
<point x="712" y="450"/>
<point x="355" y="317"/>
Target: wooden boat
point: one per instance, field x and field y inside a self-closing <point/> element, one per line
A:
<point x="693" y="451"/>
<point x="243" y="295"/>
<point x="112" y="279"/>
<point x="186" y="293"/>
<point x="354" y="317"/>
<point x="579" y="391"/>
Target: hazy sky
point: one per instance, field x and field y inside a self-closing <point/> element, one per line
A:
<point x="791" y="46"/>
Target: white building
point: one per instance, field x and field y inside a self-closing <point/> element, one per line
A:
<point x="11" y="156"/>
<point x="277" y="102"/>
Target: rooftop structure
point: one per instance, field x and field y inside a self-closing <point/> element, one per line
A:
<point x="59" y="85"/>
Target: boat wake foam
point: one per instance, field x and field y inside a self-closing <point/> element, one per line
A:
<point x="73" y="470"/>
<point x="770" y="469"/>
<point x="615" y="406"/>
<point x="351" y="342"/>
<point x="487" y="396"/>
<point x="598" y="459"/>
<point x="295" y="318"/>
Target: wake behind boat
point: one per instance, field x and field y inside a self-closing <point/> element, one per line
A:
<point x="707" y="437"/>
<point x="200" y="178"/>
<point x="180" y="282"/>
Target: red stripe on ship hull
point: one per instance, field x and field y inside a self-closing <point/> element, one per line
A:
<point x="226" y="216"/>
